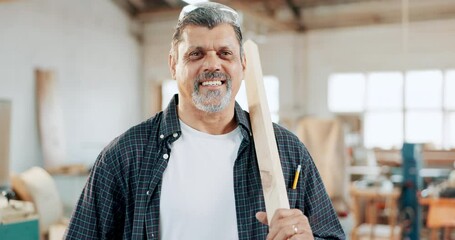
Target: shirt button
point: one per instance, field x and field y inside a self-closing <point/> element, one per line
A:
<point x="148" y="193"/>
<point x="175" y="135"/>
<point x="165" y="156"/>
<point x="161" y="136"/>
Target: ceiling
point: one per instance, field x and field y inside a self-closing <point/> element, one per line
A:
<point x="302" y="15"/>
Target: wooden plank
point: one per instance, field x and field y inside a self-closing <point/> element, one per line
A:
<point x="50" y="120"/>
<point x="273" y="184"/>
<point x="5" y="125"/>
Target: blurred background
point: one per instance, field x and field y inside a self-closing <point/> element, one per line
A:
<point x="367" y="85"/>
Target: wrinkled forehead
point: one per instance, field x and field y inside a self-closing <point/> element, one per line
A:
<point x="223" y="35"/>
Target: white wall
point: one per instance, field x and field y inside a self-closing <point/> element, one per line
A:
<point x="157" y="43"/>
<point x="98" y="67"/>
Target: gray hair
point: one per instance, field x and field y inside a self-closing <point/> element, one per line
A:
<point x="207" y="14"/>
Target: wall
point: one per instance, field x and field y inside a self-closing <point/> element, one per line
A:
<point x="98" y="66"/>
<point x="157" y="42"/>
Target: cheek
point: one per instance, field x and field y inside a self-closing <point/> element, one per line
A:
<point x="236" y="74"/>
<point x="187" y="70"/>
<point x="235" y="86"/>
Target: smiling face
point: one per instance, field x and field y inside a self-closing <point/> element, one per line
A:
<point x="208" y="67"/>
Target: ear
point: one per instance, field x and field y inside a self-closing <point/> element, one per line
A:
<point x="243" y="63"/>
<point x="172" y="62"/>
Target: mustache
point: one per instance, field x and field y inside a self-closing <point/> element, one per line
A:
<point x="211" y="75"/>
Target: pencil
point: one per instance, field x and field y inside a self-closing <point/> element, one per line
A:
<point x="296" y="178"/>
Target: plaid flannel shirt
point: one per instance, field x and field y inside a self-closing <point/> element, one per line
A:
<point x="122" y="195"/>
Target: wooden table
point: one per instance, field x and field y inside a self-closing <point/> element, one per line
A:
<point x="366" y="224"/>
<point x="441" y="214"/>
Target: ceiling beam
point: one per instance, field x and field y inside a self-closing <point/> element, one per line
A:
<point x="139" y="4"/>
<point x="159" y="14"/>
<point x="374" y="12"/>
<point x="264" y="18"/>
<point x="126" y="6"/>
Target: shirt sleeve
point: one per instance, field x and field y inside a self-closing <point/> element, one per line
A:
<point x="99" y="213"/>
<point x="316" y="204"/>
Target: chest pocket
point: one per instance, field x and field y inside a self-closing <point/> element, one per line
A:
<point x="292" y="196"/>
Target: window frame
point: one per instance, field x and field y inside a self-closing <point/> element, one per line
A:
<point x="445" y="142"/>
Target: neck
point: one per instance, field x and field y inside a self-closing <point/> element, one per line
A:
<point x="213" y="123"/>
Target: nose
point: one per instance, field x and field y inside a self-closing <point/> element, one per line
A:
<point x="212" y="62"/>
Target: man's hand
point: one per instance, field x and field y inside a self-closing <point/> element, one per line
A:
<point x="287" y="224"/>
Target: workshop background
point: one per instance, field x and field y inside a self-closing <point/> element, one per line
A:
<point x="367" y="85"/>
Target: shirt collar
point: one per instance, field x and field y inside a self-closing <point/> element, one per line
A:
<point x="171" y="125"/>
<point x="243" y="119"/>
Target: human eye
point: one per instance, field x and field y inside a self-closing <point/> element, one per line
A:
<point x="195" y="54"/>
<point x="225" y="53"/>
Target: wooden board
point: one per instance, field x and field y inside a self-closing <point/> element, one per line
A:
<point x="50" y="120"/>
<point x="5" y="125"/>
<point x="273" y="184"/>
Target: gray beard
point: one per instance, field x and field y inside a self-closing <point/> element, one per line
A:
<point x="213" y="101"/>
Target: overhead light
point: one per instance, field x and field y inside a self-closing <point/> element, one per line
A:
<point x="195" y="1"/>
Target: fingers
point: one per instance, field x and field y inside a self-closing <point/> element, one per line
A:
<point x="262" y="217"/>
<point x="296" y="231"/>
<point x="284" y="213"/>
<point x="289" y="224"/>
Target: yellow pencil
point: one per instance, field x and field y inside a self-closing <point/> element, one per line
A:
<point x="296" y="178"/>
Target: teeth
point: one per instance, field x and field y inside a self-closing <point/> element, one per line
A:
<point x="211" y="83"/>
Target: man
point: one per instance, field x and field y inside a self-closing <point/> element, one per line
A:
<point x="191" y="172"/>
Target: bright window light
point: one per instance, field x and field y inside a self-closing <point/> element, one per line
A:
<point x="346" y="92"/>
<point x="424" y="127"/>
<point x="385" y="91"/>
<point x="168" y="90"/>
<point x="450" y="90"/>
<point x="417" y="106"/>
<point x="423" y="89"/>
<point x="272" y="91"/>
<point x="384" y="129"/>
<point x="451" y="137"/>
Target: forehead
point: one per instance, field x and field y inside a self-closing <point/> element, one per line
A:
<point x="222" y="35"/>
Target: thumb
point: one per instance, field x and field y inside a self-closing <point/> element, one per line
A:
<point x="262" y="217"/>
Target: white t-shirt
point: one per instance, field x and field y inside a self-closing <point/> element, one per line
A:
<point x="197" y="195"/>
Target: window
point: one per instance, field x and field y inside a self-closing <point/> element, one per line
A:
<point x="449" y="100"/>
<point x="383" y="109"/>
<point x="272" y="90"/>
<point x="168" y="89"/>
<point x="415" y="106"/>
<point x="383" y="84"/>
<point x="346" y="92"/>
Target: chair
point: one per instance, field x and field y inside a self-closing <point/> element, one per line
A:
<point x="368" y="203"/>
<point x="441" y="215"/>
<point x="37" y="186"/>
